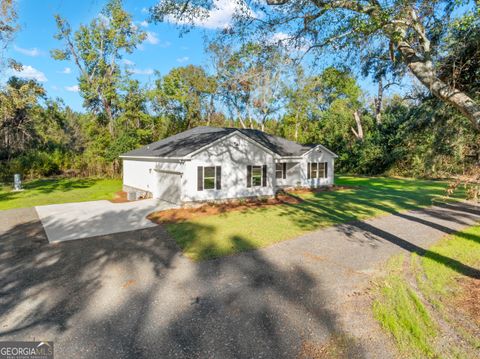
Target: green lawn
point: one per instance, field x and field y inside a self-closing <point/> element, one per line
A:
<point x="50" y="191"/>
<point x="224" y="234"/>
<point x="416" y="301"/>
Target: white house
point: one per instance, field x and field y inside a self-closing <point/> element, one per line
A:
<point x="211" y="163"/>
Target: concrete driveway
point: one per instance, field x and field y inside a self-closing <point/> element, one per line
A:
<point x="134" y="295"/>
<point x="64" y="222"/>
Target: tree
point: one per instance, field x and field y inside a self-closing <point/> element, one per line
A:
<point x="183" y="95"/>
<point x="8" y="27"/>
<point x="234" y="72"/>
<point x="303" y="102"/>
<point x="96" y="49"/>
<point x="250" y="80"/>
<point x="412" y="30"/>
<point x="18" y="102"/>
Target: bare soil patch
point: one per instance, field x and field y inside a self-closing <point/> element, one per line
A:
<point x="209" y="209"/>
<point x="338" y="346"/>
<point x="468" y="299"/>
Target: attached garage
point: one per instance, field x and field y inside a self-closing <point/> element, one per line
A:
<point x="158" y="179"/>
<point x="168" y="186"/>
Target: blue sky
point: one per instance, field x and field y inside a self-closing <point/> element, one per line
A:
<point x="163" y="50"/>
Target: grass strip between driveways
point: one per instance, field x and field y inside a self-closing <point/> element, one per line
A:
<point x="429" y="303"/>
<point x="61" y="190"/>
<point x="232" y="232"/>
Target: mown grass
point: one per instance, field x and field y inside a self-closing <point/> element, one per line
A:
<point x="232" y="232"/>
<point x="399" y="310"/>
<point x="62" y="190"/>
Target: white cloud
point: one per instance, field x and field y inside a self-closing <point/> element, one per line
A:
<point x="29" y="72"/>
<point x="144" y="23"/>
<point x="141" y="71"/>
<point x="144" y="10"/>
<point x="73" y="88"/>
<point x="128" y="62"/>
<point x="29" y="52"/>
<point x="66" y="70"/>
<point x="183" y="59"/>
<point x="152" y="38"/>
<point x="220" y="16"/>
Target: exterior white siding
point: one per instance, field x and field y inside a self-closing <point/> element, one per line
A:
<point x="139" y="174"/>
<point x="153" y="176"/>
<point x="293" y="177"/>
<point x="233" y="154"/>
<point x="318" y="155"/>
<point x="176" y="180"/>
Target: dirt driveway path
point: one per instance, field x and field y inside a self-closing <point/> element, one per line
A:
<point x="133" y="295"/>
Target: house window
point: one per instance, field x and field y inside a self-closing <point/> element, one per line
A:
<point x="280" y="170"/>
<point x="257" y="176"/>
<point x="317" y="170"/>
<point x="209" y="177"/>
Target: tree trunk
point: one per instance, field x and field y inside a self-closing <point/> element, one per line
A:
<point x="359" y="131"/>
<point x="296" y="127"/>
<point x="108" y="110"/>
<point x="424" y="71"/>
<point x="378" y="102"/>
<point x="240" y="119"/>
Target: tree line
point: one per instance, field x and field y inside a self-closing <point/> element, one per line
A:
<point x="252" y="84"/>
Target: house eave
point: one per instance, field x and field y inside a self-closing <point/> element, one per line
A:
<point x="165" y="159"/>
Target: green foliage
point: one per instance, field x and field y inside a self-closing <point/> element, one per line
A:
<point x="183" y="95"/>
<point x="252" y="85"/>
<point x="95" y="49"/>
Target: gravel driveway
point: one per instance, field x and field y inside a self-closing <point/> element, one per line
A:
<point x="133" y="295"/>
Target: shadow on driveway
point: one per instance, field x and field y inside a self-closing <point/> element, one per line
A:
<point x="133" y="295"/>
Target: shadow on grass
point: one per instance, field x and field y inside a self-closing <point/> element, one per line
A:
<point x="63" y="185"/>
<point x="47" y="186"/>
<point x="135" y="292"/>
<point x="463" y="214"/>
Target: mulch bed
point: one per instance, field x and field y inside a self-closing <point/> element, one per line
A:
<point x="209" y="209"/>
<point x="321" y="189"/>
<point x="120" y="197"/>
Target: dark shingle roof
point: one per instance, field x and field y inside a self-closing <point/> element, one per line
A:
<point x="191" y="140"/>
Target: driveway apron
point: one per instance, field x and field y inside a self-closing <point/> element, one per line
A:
<point x="69" y="221"/>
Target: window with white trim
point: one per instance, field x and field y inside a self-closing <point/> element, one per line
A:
<point x="317" y="170"/>
<point x="209" y="177"/>
<point x="257" y="176"/>
<point x="280" y="170"/>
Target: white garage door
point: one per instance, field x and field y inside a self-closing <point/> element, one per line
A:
<point x="168" y="187"/>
